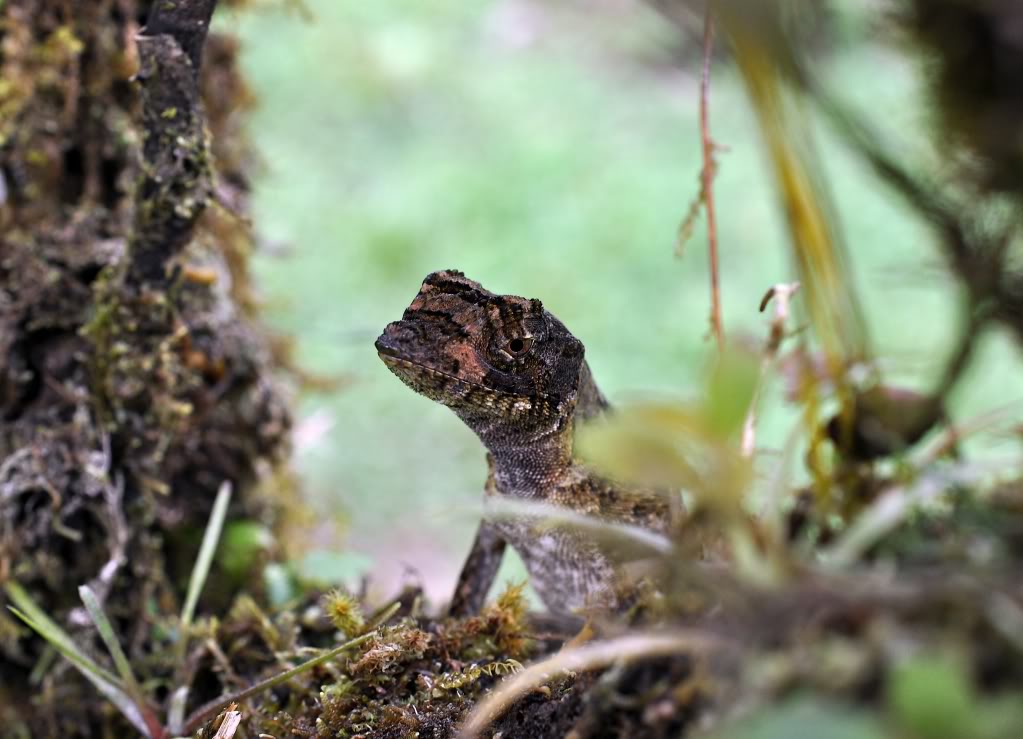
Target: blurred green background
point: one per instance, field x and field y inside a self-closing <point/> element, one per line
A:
<point x="547" y="149"/>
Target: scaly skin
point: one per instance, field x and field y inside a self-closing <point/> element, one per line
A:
<point x="516" y="376"/>
<point x="480" y="568"/>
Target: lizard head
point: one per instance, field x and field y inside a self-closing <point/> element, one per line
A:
<point x="488" y="357"/>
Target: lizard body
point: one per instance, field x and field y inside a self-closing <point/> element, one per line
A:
<point x="516" y="376"/>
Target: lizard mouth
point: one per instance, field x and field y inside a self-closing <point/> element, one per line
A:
<point x="405" y="367"/>
<point x="399" y="363"/>
<point x="443" y="387"/>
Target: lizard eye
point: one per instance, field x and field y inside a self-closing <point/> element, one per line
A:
<point x="518" y="347"/>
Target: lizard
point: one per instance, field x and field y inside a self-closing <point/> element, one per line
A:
<point x="515" y="375"/>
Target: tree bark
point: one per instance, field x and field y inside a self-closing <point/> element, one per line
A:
<point x="134" y="378"/>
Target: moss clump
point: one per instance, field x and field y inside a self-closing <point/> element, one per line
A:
<point x="413" y="676"/>
<point x="420" y="677"/>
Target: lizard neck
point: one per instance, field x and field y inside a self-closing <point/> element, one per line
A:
<point x="528" y="460"/>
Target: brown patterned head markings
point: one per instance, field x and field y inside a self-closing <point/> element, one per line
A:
<point x="490" y="358"/>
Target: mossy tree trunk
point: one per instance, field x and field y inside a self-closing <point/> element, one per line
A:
<point x="134" y="379"/>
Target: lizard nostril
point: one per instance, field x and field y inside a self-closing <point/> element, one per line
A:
<point x="386" y="345"/>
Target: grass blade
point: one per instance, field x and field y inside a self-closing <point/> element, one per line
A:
<point x="176" y="711"/>
<point x="104" y="681"/>
<point x="26" y="609"/>
<point x="206" y="551"/>
<point x="106" y="632"/>
<point x="125" y="704"/>
<point x="196" y="582"/>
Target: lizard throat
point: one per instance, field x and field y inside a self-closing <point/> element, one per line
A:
<point x="523" y="435"/>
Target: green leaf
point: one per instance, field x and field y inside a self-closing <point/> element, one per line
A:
<point x="241" y="546"/>
<point x="643" y="444"/>
<point x="279" y="584"/>
<point x="805" y="717"/>
<point x="931" y="696"/>
<point x="731" y="383"/>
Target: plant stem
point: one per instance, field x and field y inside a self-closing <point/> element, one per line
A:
<point x="707" y="175"/>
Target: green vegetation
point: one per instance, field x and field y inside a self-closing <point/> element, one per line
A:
<point x="838" y="580"/>
<point x="549" y="151"/>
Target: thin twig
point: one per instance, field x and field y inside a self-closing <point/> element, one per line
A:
<point x="578" y="659"/>
<point x="707" y="176"/>
<point x="955" y="433"/>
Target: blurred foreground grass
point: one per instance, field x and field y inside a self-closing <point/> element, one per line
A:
<point x="548" y="151"/>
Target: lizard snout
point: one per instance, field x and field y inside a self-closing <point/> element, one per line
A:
<point x="394" y="341"/>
